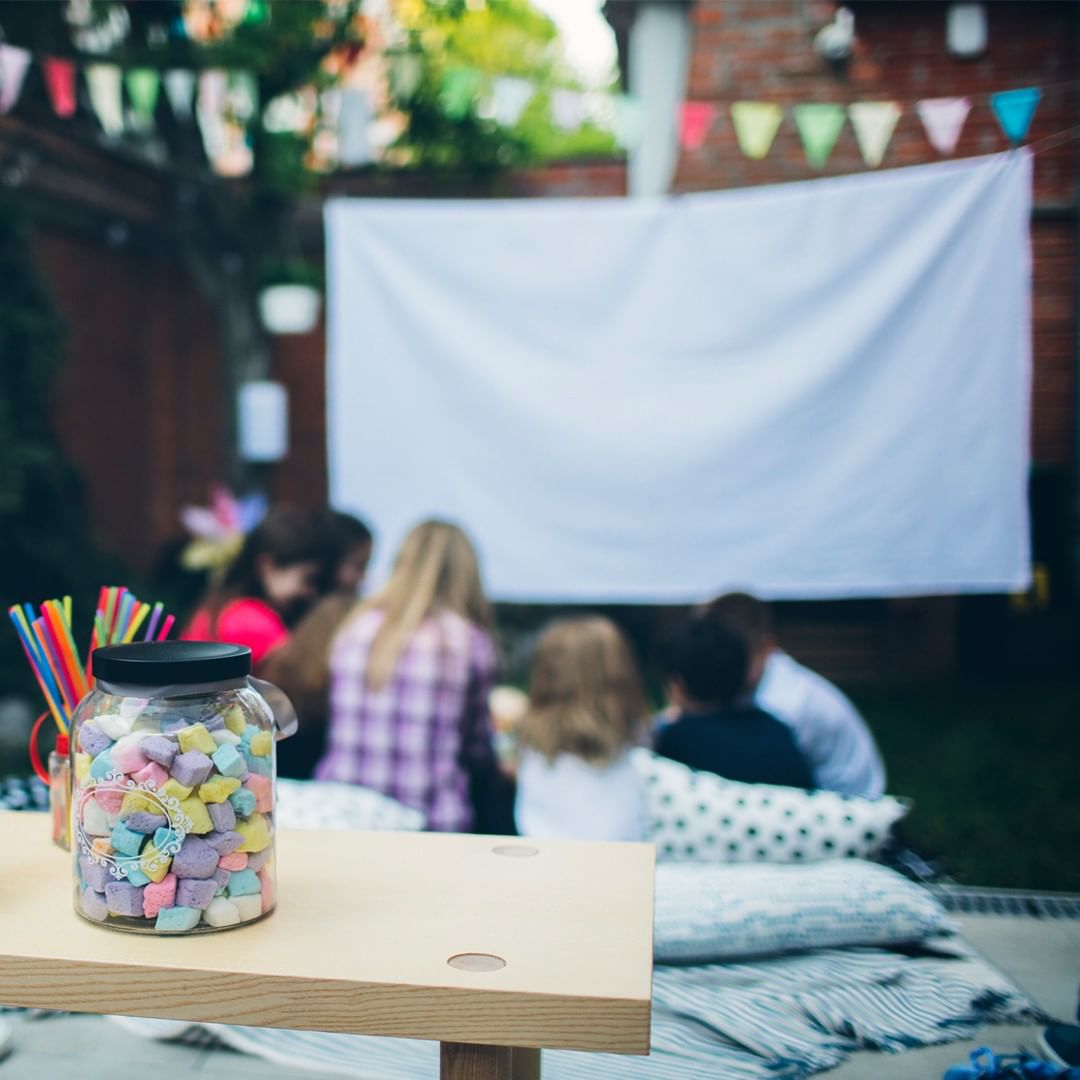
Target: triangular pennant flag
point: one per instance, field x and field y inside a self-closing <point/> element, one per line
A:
<point x="210" y="111"/>
<point x="695" y="119"/>
<point x="13" y="64"/>
<point x="104" y="82"/>
<point x="143" y="85"/>
<point x="819" y="125"/>
<point x="406" y="73"/>
<point x="756" y="124"/>
<point x="180" y="90"/>
<point x="510" y="98"/>
<point x="568" y="108"/>
<point x="60" y="83"/>
<point x="241" y="96"/>
<point x="873" y="123"/>
<point x="629" y="122"/>
<point x="458" y="92"/>
<point x="1015" y="109"/>
<point x="943" y="120"/>
<point x="354" y="127"/>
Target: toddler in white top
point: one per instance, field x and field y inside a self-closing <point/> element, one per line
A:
<point x="586" y="711"/>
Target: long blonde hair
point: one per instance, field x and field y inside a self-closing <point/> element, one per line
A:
<point x="585" y="694"/>
<point x="435" y="570"/>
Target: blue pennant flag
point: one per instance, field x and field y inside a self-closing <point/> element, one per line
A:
<point x="1015" y="110"/>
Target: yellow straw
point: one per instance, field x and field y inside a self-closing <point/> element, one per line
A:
<point x="136" y="623"/>
<point x="67" y="611"/>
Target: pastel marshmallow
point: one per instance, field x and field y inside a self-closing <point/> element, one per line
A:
<point x="152" y="775"/>
<point x="178" y="919"/>
<point x="131" y="869"/>
<point x="261" y="744"/>
<point x="221" y="880"/>
<point x="224" y="737"/>
<point x="127" y="753"/>
<point x="82" y="768"/>
<point x="221" y="912"/>
<point x="260" y="766"/>
<point x="92" y="739"/>
<point x="160" y="749"/>
<point x="235" y="860"/>
<point x="139" y="801"/>
<point x="195" y="859"/>
<point x="263" y="790"/>
<point x="243" y="802"/>
<point x="255" y="831"/>
<point x="95" y="875"/>
<point x="192" y="892"/>
<point x="268" y="890"/>
<point x="218" y="788"/>
<point x="197" y="812"/>
<point x="229" y="761"/>
<point x="172" y="789"/>
<point x="196" y="737"/>
<point x="174" y="724"/>
<point x="94" y="905"/>
<point x="114" y="725"/>
<point x="124" y="898"/>
<point x="110" y="799"/>
<point x="244" y="883"/>
<point x="214" y="722"/>
<point x="222" y="815"/>
<point x="125" y="840"/>
<point x="235" y="721"/>
<point x="100" y="845"/>
<point x="224" y="843"/>
<point x="101" y="766"/>
<point x="165" y="839"/>
<point x="258" y="859"/>
<point x="95" y="821"/>
<point x="191" y="768"/>
<point x="145" y="823"/>
<point x="160" y="895"/>
<point x="154" y="863"/>
<point x="250" y="906"/>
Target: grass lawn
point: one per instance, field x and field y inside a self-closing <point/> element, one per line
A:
<point x="994" y="771"/>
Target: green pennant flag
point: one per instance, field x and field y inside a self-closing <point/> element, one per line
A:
<point x="142" y="87"/>
<point x="459" y="89"/>
<point x="756" y="124"/>
<point x="819" y="127"/>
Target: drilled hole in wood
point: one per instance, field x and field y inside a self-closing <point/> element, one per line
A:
<point x="516" y="851"/>
<point x="476" y="961"/>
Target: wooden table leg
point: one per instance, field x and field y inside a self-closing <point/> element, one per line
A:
<point x="525" y="1063"/>
<point x="467" y="1061"/>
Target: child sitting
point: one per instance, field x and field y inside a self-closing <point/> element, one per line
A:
<point x="706" y="663"/>
<point x="586" y="710"/>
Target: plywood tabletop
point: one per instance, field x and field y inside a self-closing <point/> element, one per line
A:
<point x="360" y="942"/>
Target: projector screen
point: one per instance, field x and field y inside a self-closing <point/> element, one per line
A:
<point x="810" y="390"/>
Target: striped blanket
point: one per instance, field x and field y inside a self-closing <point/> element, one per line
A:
<point x="781" y="1018"/>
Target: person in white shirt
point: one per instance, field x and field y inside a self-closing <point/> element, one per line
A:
<point x="828" y="729"/>
<point x="586" y="711"/>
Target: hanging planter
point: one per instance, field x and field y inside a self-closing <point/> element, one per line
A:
<point x="290" y="298"/>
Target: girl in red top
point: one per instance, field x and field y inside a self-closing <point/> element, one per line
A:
<point x="273" y="580"/>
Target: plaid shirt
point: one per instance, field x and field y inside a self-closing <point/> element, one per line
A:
<point x="418" y="737"/>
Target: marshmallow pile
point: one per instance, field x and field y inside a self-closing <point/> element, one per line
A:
<point x="173" y="819"/>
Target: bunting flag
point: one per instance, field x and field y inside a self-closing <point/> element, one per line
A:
<point x="568" y="109"/>
<point x="1015" y="109"/>
<point x="695" y="119"/>
<point x="756" y="124"/>
<point x="943" y="119"/>
<point x="510" y="96"/>
<point x="180" y="90"/>
<point x="458" y="92"/>
<point x="60" y="83"/>
<point x="629" y="122"/>
<point x="873" y="123"/>
<point x="143" y="85"/>
<point x="105" y="83"/>
<point x="819" y="125"/>
<point x="355" y="118"/>
<point x="13" y="64"/>
<point x="241" y="96"/>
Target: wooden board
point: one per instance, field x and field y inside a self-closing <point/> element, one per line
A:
<point x="360" y="942"/>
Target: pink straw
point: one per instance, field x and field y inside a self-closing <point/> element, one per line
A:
<point x="166" y="626"/>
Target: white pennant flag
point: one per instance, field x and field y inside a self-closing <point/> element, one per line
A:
<point x="511" y="96"/>
<point x="568" y="109"/>
<point x="180" y="90"/>
<point x="13" y="64"/>
<point x="104" y="81"/>
<point x="354" y="128"/>
<point x="943" y="119"/>
<point x="873" y="123"/>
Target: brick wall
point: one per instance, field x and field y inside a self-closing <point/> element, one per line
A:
<point x="747" y="49"/>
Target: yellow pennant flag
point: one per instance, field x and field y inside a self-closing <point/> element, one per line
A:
<point x="756" y="124"/>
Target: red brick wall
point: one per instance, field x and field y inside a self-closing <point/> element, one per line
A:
<point x="747" y="49"/>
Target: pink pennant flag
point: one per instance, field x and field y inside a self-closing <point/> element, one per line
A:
<point x="943" y="119"/>
<point x="13" y="64"/>
<point x="695" y="119"/>
<point x="60" y="82"/>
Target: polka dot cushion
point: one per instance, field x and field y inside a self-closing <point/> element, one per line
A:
<point x="707" y="913"/>
<point x="319" y="804"/>
<point x="695" y="816"/>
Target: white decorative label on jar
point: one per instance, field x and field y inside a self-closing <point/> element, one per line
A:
<point x="131" y="828"/>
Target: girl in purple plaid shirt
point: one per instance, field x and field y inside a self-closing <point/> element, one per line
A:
<point x="410" y="674"/>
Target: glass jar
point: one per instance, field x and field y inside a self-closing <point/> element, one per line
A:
<point x="172" y="803"/>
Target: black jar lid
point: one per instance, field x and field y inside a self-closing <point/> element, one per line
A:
<point x="167" y="663"/>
